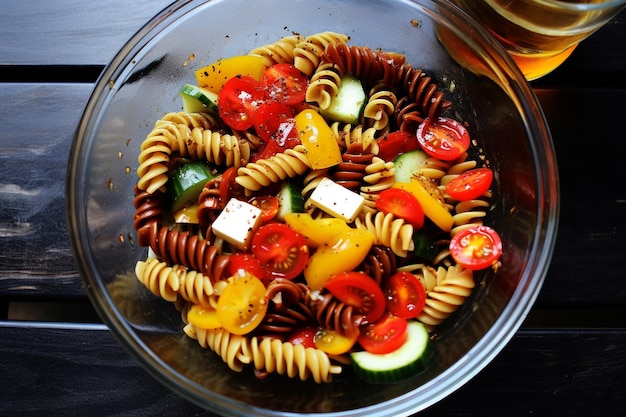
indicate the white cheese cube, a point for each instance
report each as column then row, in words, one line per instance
column 237, row 223
column 336, row 200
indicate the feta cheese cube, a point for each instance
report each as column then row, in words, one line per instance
column 336, row 200
column 237, row 223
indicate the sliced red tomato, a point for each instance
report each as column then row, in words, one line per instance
column 268, row 204
column 238, row 101
column 405, row 295
column 470, row 184
column 358, row 290
column 304, row 336
column 227, row 183
column 385, row 335
column 273, row 121
column 243, row 261
column 242, row 305
column 443, row 138
column 333, row 342
column 395, row 143
column 477, row 247
column 285, row 83
column 282, row 251
column 402, row 204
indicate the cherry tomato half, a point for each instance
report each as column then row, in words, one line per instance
column 476, row 248
column 273, row 121
column 405, row 295
column 282, row 251
column 243, row 261
column 304, row 336
column 470, row 184
column 358, row 290
column 395, row 143
column 402, row 204
column 333, row 342
column 285, row 83
column 268, row 204
column 238, row 101
column 242, row 305
column 227, row 184
column 443, row 138
column 385, row 335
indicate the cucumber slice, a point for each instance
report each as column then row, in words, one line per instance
column 198, row 100
column 408, row 360
column 290, row 199
column 425, row 247
column 185, row 185
column 408, row 163
column 347, row 105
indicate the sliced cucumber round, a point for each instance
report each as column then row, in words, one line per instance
column 198, row 100
column 407, row 164
column 347, row 104
column 408, row 360
column 290, row 200
column 185, row 185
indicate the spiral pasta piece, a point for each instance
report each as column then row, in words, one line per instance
column 368, row 65
column 169, row 134
column 420, row 90
column 159, row 278
column 287, row 308
column 350, row 172
column 381, row 103
column 407, row 115
column 148, row 208
column 379, row 176
column 233, row 349
column 308, row 52
column 348, row 137
column 262, row 173
column 192, row 120
column 332, row 314
column 164, row 280
column 380, row 263
column 155, row 154
column 453, row 286
column 281, row 51
column 469, row 213
column 284, row 358
column 188, row 250
column 216, row 147
column 388, row 231
column 324, row 84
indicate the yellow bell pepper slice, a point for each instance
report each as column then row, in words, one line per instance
column 433, row 209
column 342, row 253
column 214, row 76
column 203, row 317
column 317, row 231
column 317, row 138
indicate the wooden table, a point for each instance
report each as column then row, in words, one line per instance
column 56, row 356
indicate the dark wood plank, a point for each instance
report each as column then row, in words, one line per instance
column 58, row 370
column 35, row 139
column 70, row 32
column 586, row 126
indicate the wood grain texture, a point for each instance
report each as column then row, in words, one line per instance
column 70, row 32
column 34, row 146
column 83, row 371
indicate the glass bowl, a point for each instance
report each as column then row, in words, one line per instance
column 142, row 83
